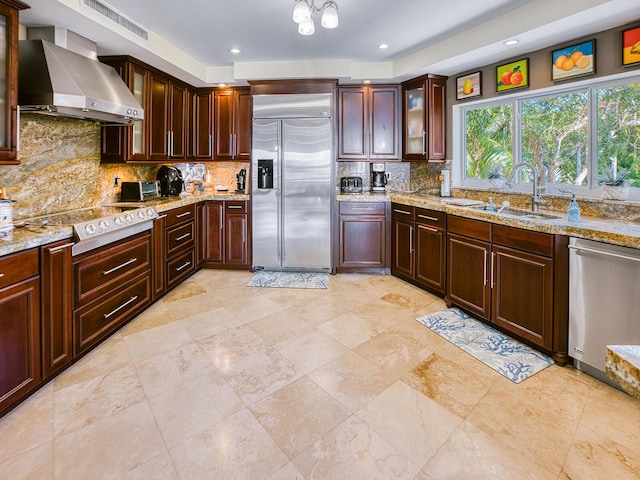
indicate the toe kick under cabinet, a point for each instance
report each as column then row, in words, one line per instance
column 112, row 284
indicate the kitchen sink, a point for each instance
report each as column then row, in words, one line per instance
column 517, row 213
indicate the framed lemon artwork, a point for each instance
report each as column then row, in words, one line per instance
column 573, row 61
column 469, row 85
column 631, row 47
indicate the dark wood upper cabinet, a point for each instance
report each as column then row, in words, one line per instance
column 368, row 123
column 424, row 119
column 9, row 80
column 233, row 115
column 167, row 119
column 202, row 125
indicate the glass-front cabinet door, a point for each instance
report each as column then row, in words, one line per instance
column 9, row 79
column 138, row 85
column 414, row 132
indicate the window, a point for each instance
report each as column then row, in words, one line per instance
column 574, row 135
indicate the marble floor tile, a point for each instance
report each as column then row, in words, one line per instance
column 613, row 414
column 352, row 380
column 156, row 340
column 280, row 326
column 310, row 350
column 299, row 414
column 471, row 453
column 255, row 307
column 514, row 419
column 109, row 447
column 158, row 468
column 237, row 448
column 450, row 384
column 34, row 464
column 192, row 406
column 209, row 323
column 593, row 457
column 288, row 472
column 84, row 403
column 27, row 426
column 168, row 369
column 414, row 424
column 351, row 329
column 355, row 451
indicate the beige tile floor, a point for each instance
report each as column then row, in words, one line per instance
column 223, row 381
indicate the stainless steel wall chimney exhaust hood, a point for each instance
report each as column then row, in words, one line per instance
column 57, row 81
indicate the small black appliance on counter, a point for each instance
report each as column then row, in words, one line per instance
column 139, row 191
column 241, row 180
column 170, row 179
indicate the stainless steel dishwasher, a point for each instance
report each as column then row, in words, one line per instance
column 604, row 302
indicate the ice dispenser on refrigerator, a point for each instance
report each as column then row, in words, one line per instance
column 265, row 174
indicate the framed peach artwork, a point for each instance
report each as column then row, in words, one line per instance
column 631, row 47
column 512, row 75
column 573, row 61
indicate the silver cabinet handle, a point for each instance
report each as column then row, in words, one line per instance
column 182, row 267
column 180, row 215
column 424, row 142
column 61, row 247
column 168, row 144
column 115, row 310
column 431, row 229
column 485, row 268
column 234, row 206
column 427, row 217
column 161, row 216
column 211, row 145
column 493, row 256
column 1, row 275
column 404, row 212
column 182, row 237
column 128, row 262
column 601, row 252
column 362, row 208
column 410, row 239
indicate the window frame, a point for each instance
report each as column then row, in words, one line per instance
column 593, row 190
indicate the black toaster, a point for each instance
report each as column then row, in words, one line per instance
column 138, row 191
column 351, row 185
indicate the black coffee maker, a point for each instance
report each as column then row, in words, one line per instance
column 241, row 178
column 170, row 179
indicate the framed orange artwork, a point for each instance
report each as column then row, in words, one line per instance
column 631, row 47
column 574, row 61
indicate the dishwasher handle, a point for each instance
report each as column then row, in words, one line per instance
column 603, row 252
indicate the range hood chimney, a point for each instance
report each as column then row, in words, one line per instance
column 59, row 74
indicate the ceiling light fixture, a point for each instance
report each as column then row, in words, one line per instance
column 509, row 43
column 235, row 51
column 304, row 11
column 383, row 46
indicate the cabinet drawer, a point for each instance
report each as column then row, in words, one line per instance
column 533, row 242
column 469, row 227
column 403, row 211
column 235, row 206
column 98, row 319
column 362, row 208
column 105, row 269
column 431, row 217
column 18, row 266
column 179, row 238
column 181, row 214
column 180, row 268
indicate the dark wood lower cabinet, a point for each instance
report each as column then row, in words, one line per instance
column 20, row 368
column 57, row 307
column 363, row 244
column 228, row 235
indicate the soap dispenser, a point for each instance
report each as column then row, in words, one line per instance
column 491, row 207
column 573, row 210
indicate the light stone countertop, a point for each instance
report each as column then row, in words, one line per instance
column 623, row 367
column 616, row 232
column 34, row 235
column 609, row 231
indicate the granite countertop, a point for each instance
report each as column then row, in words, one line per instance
column 599, row 229
column 616, row 232
column 35, row 233
column 623, row 367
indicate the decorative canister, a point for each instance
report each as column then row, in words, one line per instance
column 6, row 215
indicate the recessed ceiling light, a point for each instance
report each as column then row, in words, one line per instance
column 366, row 81
column 222, row 84
column 234, row 50
column 509, row 43
column 383, row 46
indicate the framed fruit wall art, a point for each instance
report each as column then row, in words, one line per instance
column 512, row 75
column 468, row 86
column 631, row 47
column 573, row 61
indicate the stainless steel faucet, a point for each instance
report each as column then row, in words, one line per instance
column 536, row 198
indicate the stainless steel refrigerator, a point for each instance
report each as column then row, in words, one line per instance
column 292, row 182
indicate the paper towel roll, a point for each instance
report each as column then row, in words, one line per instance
column 445, row 183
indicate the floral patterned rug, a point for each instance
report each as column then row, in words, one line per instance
column 512, row 359
column 289, row 280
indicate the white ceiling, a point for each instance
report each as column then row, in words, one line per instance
column 190, row 39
